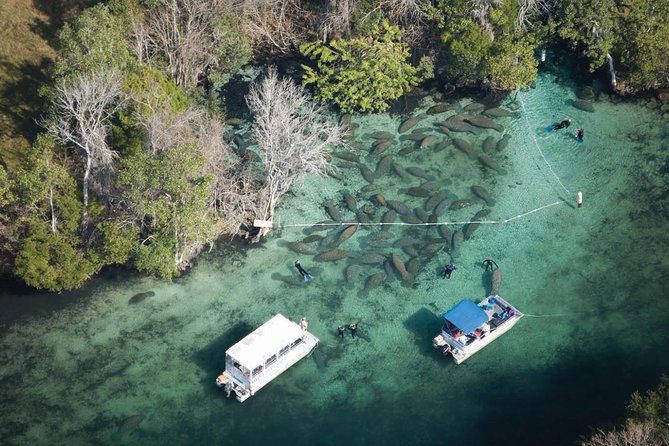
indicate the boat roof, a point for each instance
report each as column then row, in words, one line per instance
column 265, row 341
column 466, row 315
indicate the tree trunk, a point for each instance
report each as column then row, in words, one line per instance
column 87, row 174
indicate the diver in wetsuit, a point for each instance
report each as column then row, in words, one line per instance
column 579, row 135
column 562, row 125
column 305, row 274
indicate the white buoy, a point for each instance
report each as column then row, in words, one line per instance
column 579, row 198
column 543, row 55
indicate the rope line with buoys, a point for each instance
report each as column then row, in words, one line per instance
column 444, row 223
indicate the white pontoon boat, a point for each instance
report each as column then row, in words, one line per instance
column 264, row 354
column 469, row 327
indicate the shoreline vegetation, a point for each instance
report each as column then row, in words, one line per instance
column 133, row 161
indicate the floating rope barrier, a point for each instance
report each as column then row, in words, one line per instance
column 444, row 223
column 536, row 144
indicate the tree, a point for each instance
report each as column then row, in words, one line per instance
column 191, row 39
column 293, row 132
column 362, row 73
column 82, row 111
column 276, row 24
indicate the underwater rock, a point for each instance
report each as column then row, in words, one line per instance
column 409, row 123
column 140, row 297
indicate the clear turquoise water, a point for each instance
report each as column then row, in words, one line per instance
column 87, row 367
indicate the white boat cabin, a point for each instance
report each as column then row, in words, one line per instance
column 264, row 354
column 469, row 327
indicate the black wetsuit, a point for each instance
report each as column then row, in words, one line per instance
column 564, row 124
column 448, row 270
column 302, row 271
column 354, row 329
column 490, row 264
column 340, row 331
column 579, row 135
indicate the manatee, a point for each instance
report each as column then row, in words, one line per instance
column 443, row 206
column 444, row 232
column 438, row 108
column 410, row 250
column 131, row 423
column 312, row 238
column 388, row 268
column 420, row 173
column 320, row 226
column 410, row 219
column 383, row 166
column 456, row 240
column 248, row 155
column 496, row 281
column 490, row 163
column 414, row 136
column 347, row 155
column 470, row 228
column 400, row 170
column 441, row 145
column 362, row 217
column 290, row 280
column 427, row 141
column 240, row 143
column 378, row 199
column 374, row 280
column 382, row 135
column 503, row 143
column 489, row 144
column 389, row 217
column 459, row 204
column 473, row 107
column 380, row 147
column 398, row 206
column 399, row 267
column 405, row 241
column 371, row 259
column 351, row 204
column 332, row 210
column 139, row 297
column 483, row 194
column 456, row 124
column 431, row 249
column 347, row 233
column 406, row 150
column 409, row 123
column 497, row 112
column 465, row 147
column 367, row 174
column 582, row 105
column 235, row 122
column 346, row 165
column 331, row 256
column 421, row 214
column 370, row 188
column 301, row 247
column 382, row 235
column 434, row 200
column 480, row 214
column 484, row 123
column 345, row 119
column 351, row 273
column 417, row 192
column 413, row 267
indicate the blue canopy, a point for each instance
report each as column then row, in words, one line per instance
column 466, row 315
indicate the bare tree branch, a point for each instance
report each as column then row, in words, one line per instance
column 84, row 105
column 279, row 23
column 293, row 132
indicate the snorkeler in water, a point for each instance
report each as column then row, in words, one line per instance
column 579, row 135
column 562, row 125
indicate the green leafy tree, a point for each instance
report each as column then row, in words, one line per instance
column 362, row 73
column 168, row 202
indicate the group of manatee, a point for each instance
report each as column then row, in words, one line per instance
column 362, row 232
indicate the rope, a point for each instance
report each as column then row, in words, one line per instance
column 536, row 144
column 547, row 315
column 444, row 223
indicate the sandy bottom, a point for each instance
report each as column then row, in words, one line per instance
column 95, row 369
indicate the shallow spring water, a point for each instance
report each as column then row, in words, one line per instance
column 95, row 368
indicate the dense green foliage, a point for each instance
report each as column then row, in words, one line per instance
column 652, row 406
column 362, row 73
column 485, row 46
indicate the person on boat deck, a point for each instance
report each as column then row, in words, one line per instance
column 305, row 274
column 354, row 328
column 304, row 324
column 562, row 125
column 489, row 263
column 448, row 270
column 579, row 135
column 340, row 331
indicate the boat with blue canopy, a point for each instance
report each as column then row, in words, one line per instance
column 468, row 327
